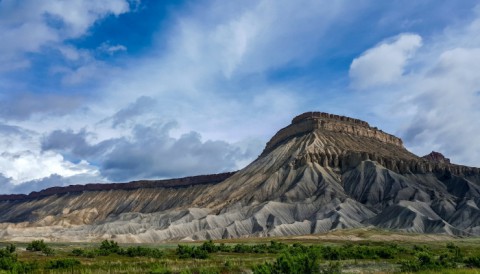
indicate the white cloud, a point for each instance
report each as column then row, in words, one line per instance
column 210, row 73
column 436, row 104
column 111, row 49
column 200, row 75
column 446, row 98
column 385, row 63
column 29, row 25
column 22, row 158
column 256, row 36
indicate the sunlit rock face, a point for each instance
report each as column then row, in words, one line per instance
column 322, row 172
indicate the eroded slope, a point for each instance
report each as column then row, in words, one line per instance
column 320, row 173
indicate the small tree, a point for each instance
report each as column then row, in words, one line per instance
column 108, row 247
column 36, row 245
column 48, row 251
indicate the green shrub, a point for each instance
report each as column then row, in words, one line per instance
column 9, row 262
column 37, row 245
column 276, row 247
column 224, row 248
column 426, row 261
column 242, row 248
column 63, row 263
column 209, row 247
column 48, row 251
column 291, row 263
column 472, row 262
column 140, row 251
column 78, row 252
column 11, row 248
column 185, row 252
column 90, row 254
column 108, row 247
column 456, row 252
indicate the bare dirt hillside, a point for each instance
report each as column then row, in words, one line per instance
column 322, row 172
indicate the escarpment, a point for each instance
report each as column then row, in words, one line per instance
column 313, row 121
column 168, row 183
column 319, row 173
column 348, row 141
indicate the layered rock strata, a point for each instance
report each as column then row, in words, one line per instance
column 320, row 173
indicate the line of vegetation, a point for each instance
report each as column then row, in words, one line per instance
column 107, row 248
column 279, row 258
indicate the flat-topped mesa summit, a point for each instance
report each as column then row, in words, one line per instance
column 313, row 121
column 343, row 142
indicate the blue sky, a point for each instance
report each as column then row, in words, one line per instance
column 117, row 90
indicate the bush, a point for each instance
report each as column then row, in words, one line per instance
column 90, row 254
column 78, row 252
column 63, row 263
column 224, row 248
column 276, row 247
column 9, row 262
column 291, row 263
column 40, row 245
column 140, row 251
column 11, row 248
column 242, row 248
column 456, row 252
column 426, row 261
column 472, row 262
column 185, row 252
column 108, row 247
column 209, row 247
column 48, row 251
column 37, row 245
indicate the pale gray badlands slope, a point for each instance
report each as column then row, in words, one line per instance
column 320, row 173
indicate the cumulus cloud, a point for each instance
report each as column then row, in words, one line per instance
column 446, row 102
column 385, row 63
column 436, row 105
column 21, row 158
column 150, row 153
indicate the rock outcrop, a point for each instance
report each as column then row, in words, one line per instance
column 436, row 157
column 320, row 173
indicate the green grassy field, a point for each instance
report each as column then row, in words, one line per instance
column 346, row 251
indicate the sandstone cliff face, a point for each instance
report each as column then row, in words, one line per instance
column 320, row 173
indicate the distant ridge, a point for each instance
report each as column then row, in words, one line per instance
column 170, row 183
